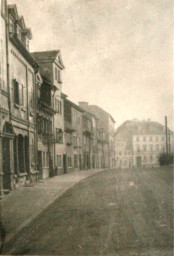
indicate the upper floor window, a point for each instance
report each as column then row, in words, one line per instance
column 156, row 138
column 162, row 138
column 19, row 32
column 150, row 138
column 57, row 75
column 11, row 25
column 59, row 135
column 18, row 92
column 137, row 138
column 58, row 106
column 144, row 138
column 144, row 147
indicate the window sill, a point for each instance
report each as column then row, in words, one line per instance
column 16, row 106
column 24, row 109
column 31, row 114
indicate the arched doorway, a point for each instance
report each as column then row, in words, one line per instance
column 8, row 135
column 6, row 163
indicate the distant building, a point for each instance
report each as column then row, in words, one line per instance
column 106, row 122
column 73, row 136
column 140, row 143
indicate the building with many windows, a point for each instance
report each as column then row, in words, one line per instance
column 107, row 124
column 140, row 143
column 50, row 67
column 18, row 91
column 73, row 136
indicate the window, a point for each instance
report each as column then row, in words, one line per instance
column 144, row 147
column 55, row 73
column 19, row 32
column 157, row 147
column 69, row 161
column 144, row 138
column 44, row 159
column 151, row 147
column 162, row 138
column 59, row 161
column 58, row 76
column 75, row 141
column 18, row 93
column 156, row 138
column 69, row 138
column 151, row 158
column 137, row 138
column 145, row 158
column 59, row 135
column 11, row 25
column 150, row 138
column 75, row 161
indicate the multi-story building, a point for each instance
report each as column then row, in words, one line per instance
column 44, row 125
column 18, row 101
column 123, row 150
column 51, row 66
column 140, row 143
column 107, row 123
column 102, row 147
column 73, row 136
column 87, row 146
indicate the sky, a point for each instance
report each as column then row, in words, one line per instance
column 117, row 53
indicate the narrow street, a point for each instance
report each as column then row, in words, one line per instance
column 112, row 213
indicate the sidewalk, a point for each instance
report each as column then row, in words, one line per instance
column 21, row 206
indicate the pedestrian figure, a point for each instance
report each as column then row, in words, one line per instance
column 2, row 236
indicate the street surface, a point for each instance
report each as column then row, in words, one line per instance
column 122, row 213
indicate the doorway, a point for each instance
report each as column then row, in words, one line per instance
column 6, row 163
column 138, row 160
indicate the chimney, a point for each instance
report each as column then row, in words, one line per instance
column 83, row 104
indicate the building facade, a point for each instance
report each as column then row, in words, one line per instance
column 73, row 136
column 50, row 67
column 140, row 144
column 18, row 90
column 107, row 123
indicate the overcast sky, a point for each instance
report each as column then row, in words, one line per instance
column 117, row 53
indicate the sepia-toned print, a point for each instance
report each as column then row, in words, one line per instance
column 86, row 127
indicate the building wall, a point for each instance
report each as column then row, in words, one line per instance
column 148, row 148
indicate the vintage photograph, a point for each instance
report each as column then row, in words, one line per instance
column 86, row 127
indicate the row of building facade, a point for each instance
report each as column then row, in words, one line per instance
column 42, row 132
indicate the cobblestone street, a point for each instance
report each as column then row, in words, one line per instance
column 112, row 213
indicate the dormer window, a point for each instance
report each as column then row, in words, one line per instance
column 18, row 32
column 11, row 25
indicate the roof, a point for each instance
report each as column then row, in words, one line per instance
column 136, row 127
column 74, row 105
column 103, row 111
column 45, row 55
